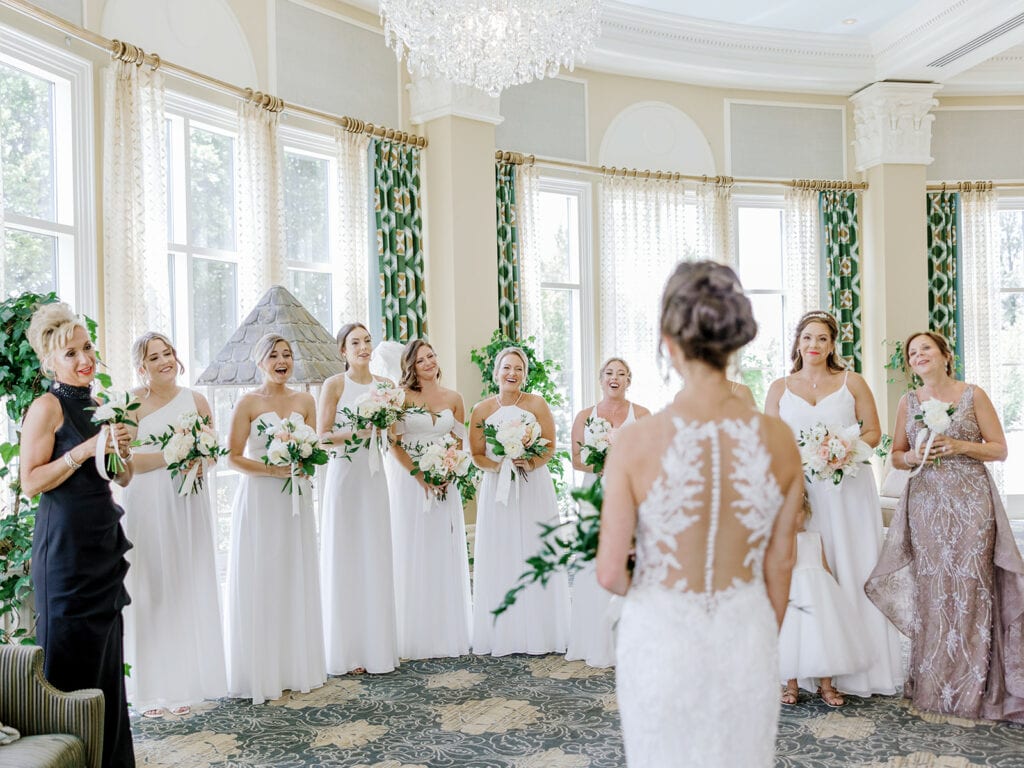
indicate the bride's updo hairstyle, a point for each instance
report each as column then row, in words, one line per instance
column 705, row 312
column 50, row 330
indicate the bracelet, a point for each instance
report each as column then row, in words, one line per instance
column 70, row 461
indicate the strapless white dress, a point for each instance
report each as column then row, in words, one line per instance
column 431, row 562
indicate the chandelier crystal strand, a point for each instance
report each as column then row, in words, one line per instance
column 490, row 44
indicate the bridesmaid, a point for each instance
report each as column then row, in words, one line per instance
column 507, row 530
column 431, row 565
column 820, row 390
column 590, row 630
column 173, row 629
column 78, row 544
column 274, row 630
column 355, row 537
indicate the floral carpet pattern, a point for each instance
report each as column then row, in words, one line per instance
column 529, row 712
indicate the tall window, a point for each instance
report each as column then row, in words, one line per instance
column 564, row 239
column 47, row 172
column 310, row 194
column 1011, row 345
column 759, row 240
column 203, row 262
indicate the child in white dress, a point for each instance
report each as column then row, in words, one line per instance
column 818, row 638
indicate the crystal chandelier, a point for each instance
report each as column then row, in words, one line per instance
column 490, row 44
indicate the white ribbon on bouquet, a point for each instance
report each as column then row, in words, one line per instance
column 507, row 476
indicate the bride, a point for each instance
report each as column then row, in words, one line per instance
column 715, row 520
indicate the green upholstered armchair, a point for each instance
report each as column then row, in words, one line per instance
column 58, row 729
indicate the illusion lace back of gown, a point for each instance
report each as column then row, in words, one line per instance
column 698, row 647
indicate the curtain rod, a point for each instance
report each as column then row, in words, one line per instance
column 518, row 158
column 973, row 186
column 129, row 52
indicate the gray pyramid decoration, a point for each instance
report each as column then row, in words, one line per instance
column 315, row 350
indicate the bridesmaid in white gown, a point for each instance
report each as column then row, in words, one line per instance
column 508, row 526
column 431, row 562
column 172, row 629
column 712, row 493
column 590, row 628
column 848, row 516
column 355, row 532
column 275, row 636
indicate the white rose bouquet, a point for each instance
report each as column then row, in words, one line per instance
column 518, row 438
column 186, row 446
column 937, row 417
column 115, row 407
column 832, row 453
column 294, row 444
column 598, row 434
column 375, row 411
column 441, row 463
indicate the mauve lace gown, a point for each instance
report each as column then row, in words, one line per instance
column 951, row 578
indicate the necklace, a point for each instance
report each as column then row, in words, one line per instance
column 497, row 398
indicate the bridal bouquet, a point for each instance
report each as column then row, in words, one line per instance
column 440, row 463
column 936, row 416
column 293, row 444
column 115, row 408
column 376, row 411
column 518, row 438
column 186, row 446
column 832, row 453
column 597, row 439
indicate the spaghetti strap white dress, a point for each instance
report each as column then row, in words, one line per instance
column 848, row 517
column 274, row 632
column 172, row 629
column 431, row 561
column 591, row 635
column 508, row 532
column 360, row 627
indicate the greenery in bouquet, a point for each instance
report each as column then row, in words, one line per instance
column 564, row 547
column 116, row 407
column 441, row 463
column 375, row 411
column 518, row 438
column 597, row 439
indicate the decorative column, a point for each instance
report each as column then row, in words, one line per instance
column 461, row 267
column 893, row 135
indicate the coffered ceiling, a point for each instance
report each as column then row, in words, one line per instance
column 822, row 46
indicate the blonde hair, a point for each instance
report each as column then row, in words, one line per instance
column 261, row 349
column 609, row 361
column 141, row 345
column 50, row 330
column 505, row 352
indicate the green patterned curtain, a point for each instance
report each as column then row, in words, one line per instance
column 509, row 310
column 944, row 313
column 396, row 181
column 842, row 262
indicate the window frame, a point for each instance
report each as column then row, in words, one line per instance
column 75, row 177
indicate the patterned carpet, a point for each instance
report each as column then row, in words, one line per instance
column 529, row 712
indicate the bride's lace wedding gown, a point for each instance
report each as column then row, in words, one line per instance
column 697, row 656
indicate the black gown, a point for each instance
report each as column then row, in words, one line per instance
column 78, row 570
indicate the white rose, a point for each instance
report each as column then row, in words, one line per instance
column 464, row 463
column 936, row 415
column 104, row 412
column 188, row 420
column 515, row 450
column 207, row 443
column 178, row 447
column 305, row 450
column 277, row 453
column 429, row 462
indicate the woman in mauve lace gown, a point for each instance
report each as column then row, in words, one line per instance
column 950, row 575
column 712, row 492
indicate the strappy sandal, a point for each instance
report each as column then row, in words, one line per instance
column 790, row 695
column 831, row 696
column 153, row 714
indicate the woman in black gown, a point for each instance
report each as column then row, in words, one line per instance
column 78, row 547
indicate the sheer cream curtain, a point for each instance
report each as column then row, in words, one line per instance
column 644, row 234
column 135, row 267
column 260, row 203
column 528, row 203
column 980, row 244
column 802, row 257
column 353, row 231
column 714, row 224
